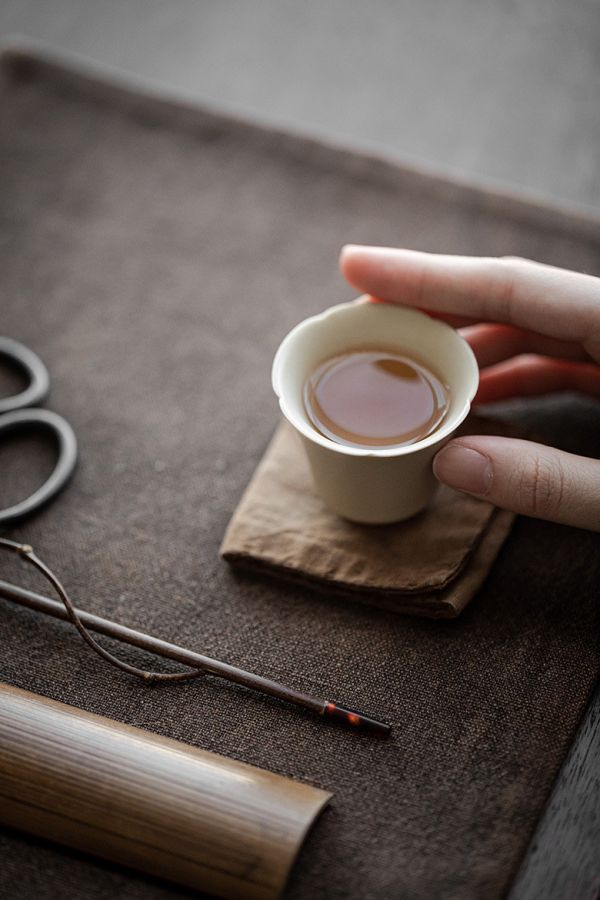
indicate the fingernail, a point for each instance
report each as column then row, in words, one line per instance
column 464, row 469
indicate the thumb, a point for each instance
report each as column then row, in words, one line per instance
column 524, row 477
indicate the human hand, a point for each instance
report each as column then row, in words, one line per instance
column 534, row 329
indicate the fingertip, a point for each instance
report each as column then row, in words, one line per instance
column 464, row 468
column 371, row 252
column 352, row 264
column 351, row 252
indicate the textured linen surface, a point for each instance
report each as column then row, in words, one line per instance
column 154, row 256
column 431, row 565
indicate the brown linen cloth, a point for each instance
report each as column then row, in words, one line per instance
column 431, row 565
column 154, row 256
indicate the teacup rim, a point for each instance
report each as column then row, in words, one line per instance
column 311, row 434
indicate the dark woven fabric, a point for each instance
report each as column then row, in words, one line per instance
column 154, row 256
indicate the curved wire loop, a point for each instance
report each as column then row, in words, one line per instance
column 25, row 551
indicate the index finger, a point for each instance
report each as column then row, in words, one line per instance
column 538, row 297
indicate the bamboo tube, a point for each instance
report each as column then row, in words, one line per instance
column 149, row 802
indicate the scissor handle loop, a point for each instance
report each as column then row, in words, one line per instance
column 34, row 370
column 59, row 428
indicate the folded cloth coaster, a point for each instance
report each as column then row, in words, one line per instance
column 431, row 565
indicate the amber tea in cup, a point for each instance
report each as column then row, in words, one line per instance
column 375, row 397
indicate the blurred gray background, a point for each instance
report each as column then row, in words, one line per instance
column 501, row 92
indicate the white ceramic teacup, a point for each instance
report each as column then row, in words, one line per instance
column 380, row 484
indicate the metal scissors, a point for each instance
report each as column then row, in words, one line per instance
column 17, row 414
